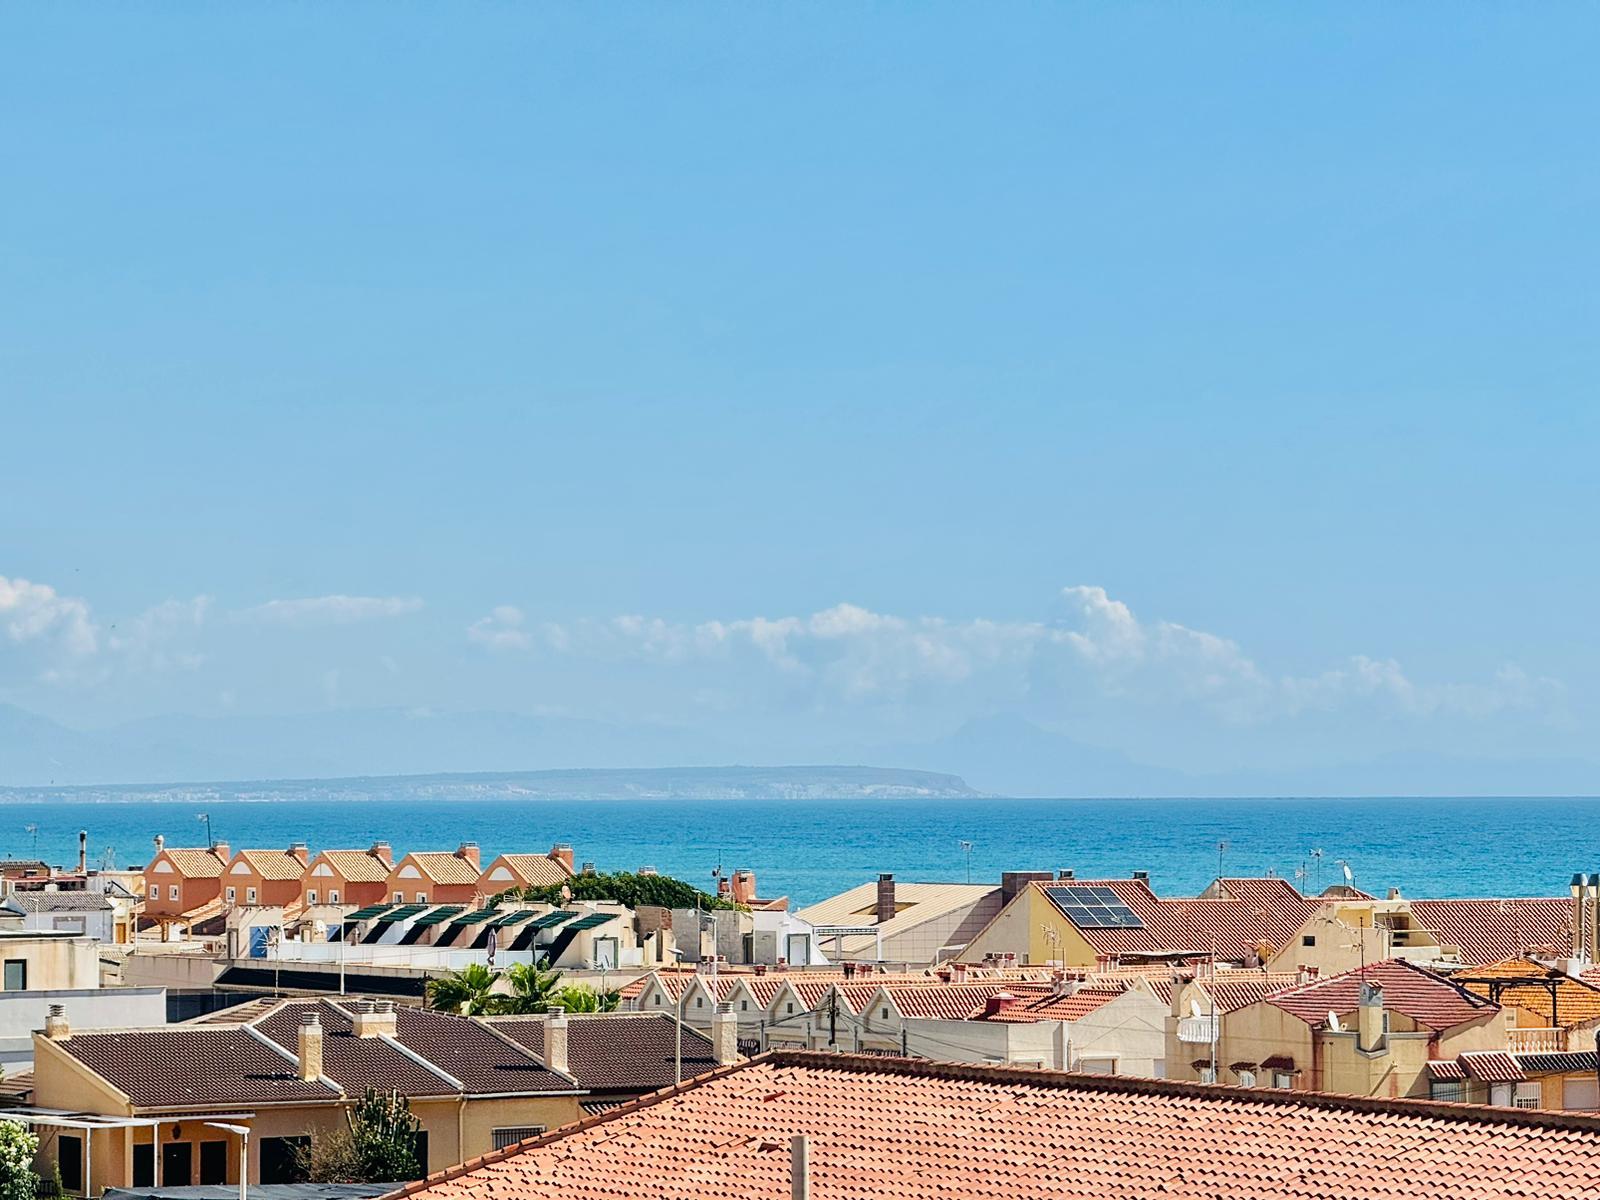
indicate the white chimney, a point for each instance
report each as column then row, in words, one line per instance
column 56, row 1027
column 374, row 1018
column 310, row 1064
column 725, row 1035
column 555, row 1040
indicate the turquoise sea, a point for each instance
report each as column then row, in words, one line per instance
column 811, row 849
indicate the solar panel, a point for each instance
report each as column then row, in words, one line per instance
column 366, row 914
column 592, row 921
column 439, row 915
column 1093, row 907
column 553, row 918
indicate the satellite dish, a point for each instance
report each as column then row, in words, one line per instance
column 1333, row 1022
column 1349, row 876
column 1194, row 1007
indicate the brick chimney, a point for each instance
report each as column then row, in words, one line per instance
column 1369, row 1018
column 744, row 887
column 301, row 851
column 310, row 1064
column 561, row 853
column 383, row 852
column 555, row 1040
column 998, row 1003
column 725, row 1035
column 374, row 1018
column 56, row 1027
column 222, row 850
column 885, row 897
column 469, row 851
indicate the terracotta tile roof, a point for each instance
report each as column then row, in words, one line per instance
column 1446, row 1068
column 1059, row 1008
column 356, row 866
column 1426, row 998
column 1235, row 989
column 442, row 866
column 539, row 870
column 272, row 864
column 618, row 1052
column 1490, row 930
column 895, row 1129
column 1491, row 1066
column 1253, row 911
column 195, row 863
column 194, row 1065
column 1576, row 1002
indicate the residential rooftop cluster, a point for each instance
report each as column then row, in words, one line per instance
column 218, row 1014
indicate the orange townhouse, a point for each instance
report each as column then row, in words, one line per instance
column 348, row 876
column 436, row 876
column 265, row 877
column 522, row 871
column 181, row 879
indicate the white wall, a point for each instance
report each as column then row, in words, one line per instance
column 89, row 1008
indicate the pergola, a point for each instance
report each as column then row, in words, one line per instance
column 88, row 1122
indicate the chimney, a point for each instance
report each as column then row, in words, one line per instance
column 469, row 851
column 161, row 842
column 301, row 851
column 725, row 1035
column 885, row 898
column 588, row 869
column 221, row 850
column 555, row 1040
column 562, row 853
column 383, row 852
column 997, row 1004
column 374, row 1018
column 744, row 887
column 1369, row 1018
column 310, row 1064
column 83, row 852
column 800, row 1167
column 56, row 1027
column 1394, row 894
column 1142, row 877
column 1013, row 883
column 1066, row 874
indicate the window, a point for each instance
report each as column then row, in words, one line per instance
column 513, row 1134
column 214, row 1162
column 1208, row 1075
column 69, row 1153
column 1310, row 939
column 233, row 894
column 16, row 978
column 1580, row 1095
column 177, row 1164
column 658, row 1001
column 1247, row 1079
column 422, row 897
column 1447, row 1090
column 885, row 1014
column 280, row 1159
column 399, row 897
column 789, row 1008
column 154, row 892
column 1527, row 1095
column 744, row 1006
column 333, row 895
column 144, row 1165
column 1283, row 1079
column 311, row 896
column 249, row 895
column 699, row 1002
column 172, row 892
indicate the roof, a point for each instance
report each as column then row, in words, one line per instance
column 897, row 1129
column 273, row 865
column 1576, row 1002
column 540, row 870
column 1426, row 998
column 261, row 1191
column 916, row 903
column 1491, row 1066
column 618, row 1052
column 38, row 902
column 356, row 866
column 946, row 1001
column 1059, row 1008
column 1245, row 913
column 442, row 866
column 1235, row 989
column 1489, row 930
column 185, row 1065
column 194, row 863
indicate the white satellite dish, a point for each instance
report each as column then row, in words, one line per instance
column 1349, row 876
column 1333, row 1022
column 1194, row 1007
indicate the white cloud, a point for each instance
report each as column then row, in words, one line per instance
column 36, row 614
column 330, row 610
column 500, row 630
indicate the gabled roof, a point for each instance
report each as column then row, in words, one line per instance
column 539, row 870
column 1490, row 930
column 618, row 1052
column 48, row 902
column 1060, row 1008
column 916, row 904
column 1247, row 913
column 442, row 866
column 273, row 865
column 1233, row 990
column 1426, row 998
column 896, row 1129
column 1576, row 1002
column 194, row 862
column 356, row 866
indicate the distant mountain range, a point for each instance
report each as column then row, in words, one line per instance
column 1001, row 755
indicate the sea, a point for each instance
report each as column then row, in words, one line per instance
column 811, row 849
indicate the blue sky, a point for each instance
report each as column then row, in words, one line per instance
column 1276, row 326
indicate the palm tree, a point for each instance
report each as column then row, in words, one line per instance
column 534, row 987
column 581, row 998
column 469, row 991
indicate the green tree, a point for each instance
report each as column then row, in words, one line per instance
column 582, row 998
column 532, row 987
column 469, row 991
column 626, row 887
column 378, row 1144
column 18, row 1180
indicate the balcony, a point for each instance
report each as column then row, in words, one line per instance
column 1538, row 1041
